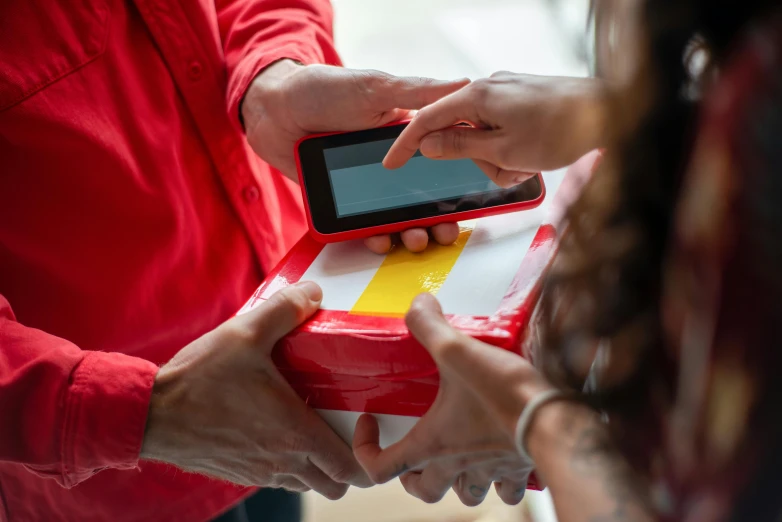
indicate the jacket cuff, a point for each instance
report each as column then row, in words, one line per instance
column 105, row 414
column 258, row 60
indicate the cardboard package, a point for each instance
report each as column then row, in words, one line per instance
column 356, row 355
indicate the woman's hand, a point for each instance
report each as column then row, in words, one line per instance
column 521, row 124
column 466, row 439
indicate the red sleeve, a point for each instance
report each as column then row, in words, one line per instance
column 256, row 33
column 68, row 413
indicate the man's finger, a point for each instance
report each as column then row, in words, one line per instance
column 453, row 109
column 378, row 244
column 335, row 458
column 380, row 464
column 289, row 483
column 446, row 233
column 415, row 239
column 395, row 115
column 285, row 310
column 287, row 167
column 502, row 74
column 318, row 481
column 416, row 93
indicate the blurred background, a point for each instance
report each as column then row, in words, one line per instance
column 449, row 39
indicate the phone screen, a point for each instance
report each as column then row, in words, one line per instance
column 347, row 188
column 361, row 184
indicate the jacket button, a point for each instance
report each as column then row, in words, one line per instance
column 195, row 70
column 251, row 194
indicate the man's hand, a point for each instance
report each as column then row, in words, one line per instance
column 521, row 124
column 466, row 439
column 288, row 101
column 221, row 408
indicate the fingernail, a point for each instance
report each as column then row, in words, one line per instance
column 312, row 290
column 424, row 300
column 432, row 145
column 462, row 80
column 420, row 299
column 478, row 492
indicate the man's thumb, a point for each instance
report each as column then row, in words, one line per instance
column 460, row 142
column 286, row 310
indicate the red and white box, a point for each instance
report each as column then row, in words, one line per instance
column 356, row 355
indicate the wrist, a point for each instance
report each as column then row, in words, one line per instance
column 279, row 69
column 554, row 428
column 592, row 110
column 158, row 432
column 266, row 87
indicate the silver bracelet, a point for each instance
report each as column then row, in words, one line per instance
column 526, row 417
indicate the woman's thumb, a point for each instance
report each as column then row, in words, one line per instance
column 460, row 142
column 449, row 347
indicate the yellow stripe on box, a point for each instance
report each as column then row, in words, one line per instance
column 403, row 275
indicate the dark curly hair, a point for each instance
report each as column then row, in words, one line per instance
column 606, row 285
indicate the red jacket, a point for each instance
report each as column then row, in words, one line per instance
column 133, row 218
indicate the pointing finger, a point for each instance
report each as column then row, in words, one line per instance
column 502, row 177
column 461, row 142
column 452, row 109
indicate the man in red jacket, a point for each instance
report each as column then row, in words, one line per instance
column 135, row 218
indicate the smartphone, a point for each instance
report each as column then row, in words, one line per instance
column 348, row 194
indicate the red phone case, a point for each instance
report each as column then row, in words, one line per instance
column 391, row 228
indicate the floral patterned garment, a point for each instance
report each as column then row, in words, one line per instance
column 722, row 306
